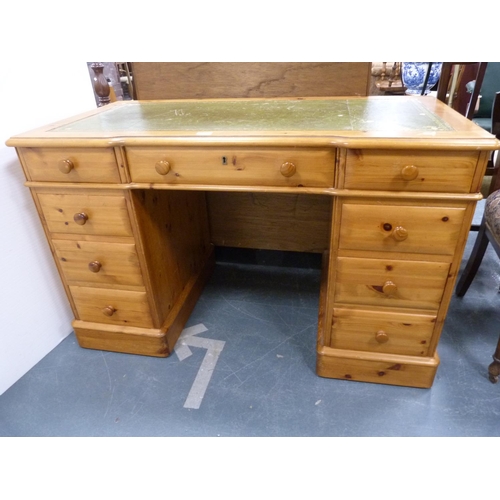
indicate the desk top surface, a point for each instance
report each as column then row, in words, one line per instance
column 335, row 120
column 267, row 115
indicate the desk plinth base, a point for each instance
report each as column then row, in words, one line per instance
column 388, row 369
column 128, row 340
column 146, row 341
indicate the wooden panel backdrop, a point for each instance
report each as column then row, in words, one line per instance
column 161, row 80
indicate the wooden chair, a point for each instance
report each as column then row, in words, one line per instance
column 494, row 368
column 452, row 81
column 489, row 232
column 451, row 90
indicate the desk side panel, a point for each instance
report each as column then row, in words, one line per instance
column 174, row 234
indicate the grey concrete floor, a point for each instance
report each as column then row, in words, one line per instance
column 264, row 318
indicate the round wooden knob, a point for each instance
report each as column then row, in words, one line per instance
column 108, row 311
column 381, row 337
column 389, row 288
column 288, row 169
column 80, row 218
column 95, row 266
column 409, row 173
column 65, row 166
column 400, row 233
column 162, row 167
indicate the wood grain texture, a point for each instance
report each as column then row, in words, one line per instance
column 107, row 214
column 393, row 369
column 125, row 339
column 89, row 164
column 147, row 341
column 174, row 238
column 131, row 307
column 119, row 264
column 331, row 271
column 425, row 230
column 419, row 284
column 157, row 80
column 270, row 221
column 381, row 170
column 357, row 329
column 452, row 276
column 230, row 166
column 186, row 301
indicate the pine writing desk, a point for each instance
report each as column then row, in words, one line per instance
column 134, row 196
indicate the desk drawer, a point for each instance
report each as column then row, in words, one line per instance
column 71, row 164
column 399, row 228
column 375, row 331
column 98, row 262
column 410, row 170
column 115, row 307
column 228, row 166
column 85, row 214
column 390, row 283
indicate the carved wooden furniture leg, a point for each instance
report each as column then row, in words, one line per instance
column 494, row 368
column 101, row 85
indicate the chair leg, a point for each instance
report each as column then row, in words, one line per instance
column 474, row 261
column 494, row 368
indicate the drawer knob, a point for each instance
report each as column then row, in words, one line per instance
column 400, row 233
column 389, row 288
column 108, row 311
column 409, row 173
column 288, row 169
column 80, row 218
column 162, row 167
column 95, row 266
column 65, row 166
column 381, row 337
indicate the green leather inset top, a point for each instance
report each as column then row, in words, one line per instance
column 262, row 115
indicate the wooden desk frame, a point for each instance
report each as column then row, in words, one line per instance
column 392, row 230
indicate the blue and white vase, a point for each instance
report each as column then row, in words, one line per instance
column 413, row 76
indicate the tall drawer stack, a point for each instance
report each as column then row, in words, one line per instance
column 391, row 262
column 91, row 236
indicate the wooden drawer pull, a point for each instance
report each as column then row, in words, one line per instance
column 65, row 166
column 288, row 169
column 162, row 167
column 95, row 266
column 381, row 337
column 400, row 233
column 409, row 173
column 108, row 311
column 389, row 288
column 81, row 218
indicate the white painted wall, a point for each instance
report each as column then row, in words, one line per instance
column 34, row 312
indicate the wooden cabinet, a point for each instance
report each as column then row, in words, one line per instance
column 134, row 196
